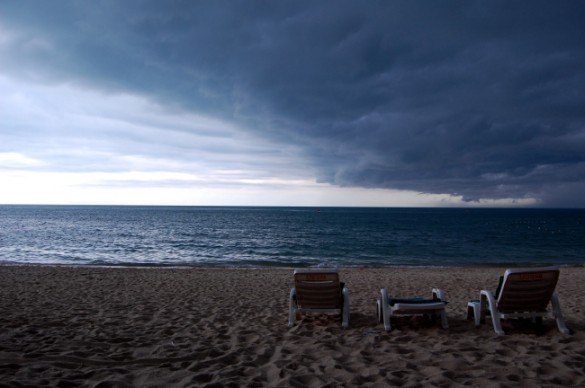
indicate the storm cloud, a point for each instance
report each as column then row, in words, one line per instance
column 483, row 100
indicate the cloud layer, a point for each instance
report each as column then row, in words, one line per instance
column 483, row 100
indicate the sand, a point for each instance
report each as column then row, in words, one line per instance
column 146, row 327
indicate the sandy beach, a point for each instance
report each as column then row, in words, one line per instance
column 152, row 327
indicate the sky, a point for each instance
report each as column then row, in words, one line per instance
column 281, row 103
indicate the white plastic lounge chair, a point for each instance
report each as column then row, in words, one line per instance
column 318, row 291
column 387, row 307
column 522, row 293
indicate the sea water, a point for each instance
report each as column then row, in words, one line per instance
column 289, row 236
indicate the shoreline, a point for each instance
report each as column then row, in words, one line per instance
column 268, row 267
column 139, row 326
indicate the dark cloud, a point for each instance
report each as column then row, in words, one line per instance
column 480, row 99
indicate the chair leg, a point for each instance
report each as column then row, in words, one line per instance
column 474, row 312
column 495, row 315
column 379, row 313
column 387, row 320
column 470, row 312
column 558, row 314
column 385, row 309
column 292, row 307
column 444, row 321
column 345, row 317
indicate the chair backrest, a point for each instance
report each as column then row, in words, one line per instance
column 318, row 289
column 527, row 289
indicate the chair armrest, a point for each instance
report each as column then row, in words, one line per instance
column 488, row 295
column 439, row 294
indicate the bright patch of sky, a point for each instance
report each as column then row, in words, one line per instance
column 78, row 146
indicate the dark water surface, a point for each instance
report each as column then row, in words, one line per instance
column 245, row 236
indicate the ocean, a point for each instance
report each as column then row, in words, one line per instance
column 290, row 236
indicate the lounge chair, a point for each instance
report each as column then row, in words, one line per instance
column 318, row 291
column 387, row 307
column 522, row 293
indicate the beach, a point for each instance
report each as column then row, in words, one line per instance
column 181, row 327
